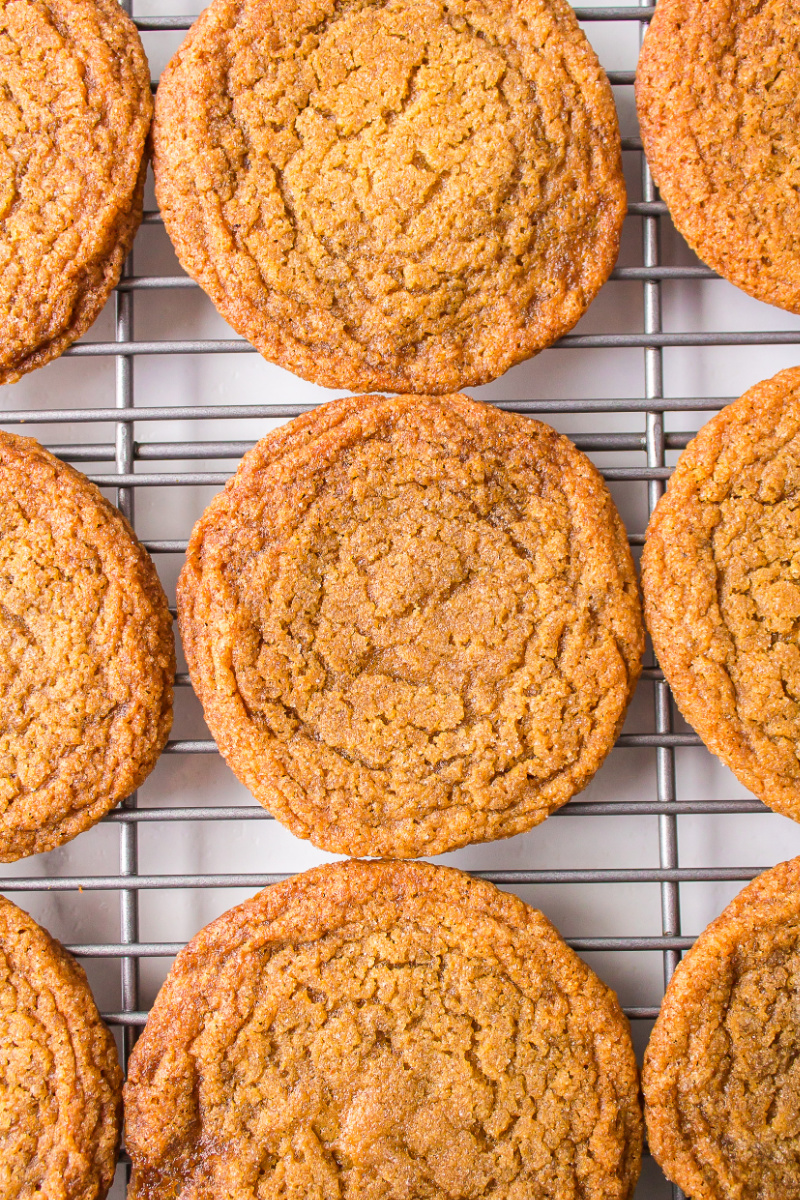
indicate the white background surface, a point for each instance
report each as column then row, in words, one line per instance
column 755, row 841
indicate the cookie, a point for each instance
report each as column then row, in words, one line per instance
column 721, row 578
column 60, row 1081
column 717, row 93
column 75, row 109
column 87, row 655
column 375, row 1029
column 411, row 196
column 722, row 1098
column 412, row 623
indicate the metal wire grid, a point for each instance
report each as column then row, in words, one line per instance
column 124, row 454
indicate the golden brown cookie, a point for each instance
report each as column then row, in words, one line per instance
column 411, row 196
column 721, row 1078
column 60, row 1082
column 412, row 623
column 718, row 94
column 721, row 577
column 75, row 109
column 383, row 1031
column 87, row 656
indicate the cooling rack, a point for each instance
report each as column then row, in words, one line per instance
column 663, row 836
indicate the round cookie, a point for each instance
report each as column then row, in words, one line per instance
column 383, row 1030
column 87, row 655
column 411, row 196
column 413, row 623
column 75, row 109
column 722, row 1098
column 721, row 578
column 60, row 1081
column 718, row 95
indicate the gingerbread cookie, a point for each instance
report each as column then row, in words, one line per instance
column 75, row 109
column 87, row 656
column 717, row 91
column 60, row 1081
column 411, row 196
column 412, row 623
column 721, row 577
column 383, row 1030
column 722, row 1095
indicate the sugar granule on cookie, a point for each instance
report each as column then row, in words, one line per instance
column 411, row 196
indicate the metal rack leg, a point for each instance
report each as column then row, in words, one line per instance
column 128, row 843
column 128, row 836
column 665, row 756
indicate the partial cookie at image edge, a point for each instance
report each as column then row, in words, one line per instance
column 57, row 268
column 733, row 688
column 716, row 84
column 88, row 655
column 710, row 1072
column 60, row 1079
column 410, row 310
column 288, row 946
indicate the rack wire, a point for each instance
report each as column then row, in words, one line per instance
column 127, row 465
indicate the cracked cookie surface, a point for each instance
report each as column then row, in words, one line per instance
column 721, row 577
column 87, row 655
column 412, row 195
column 75, row 109
column 412, row 623
column 718, row 95
column 383, row 1031
column 60, row 1081
column 721, row 1073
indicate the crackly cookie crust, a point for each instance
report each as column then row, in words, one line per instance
column 60, row 1081
column 721, row 578
column 75, row 112
column 381, row 1030
column 413, row 623
column 412, row 196
column 87, row 654
column 717, row 90
column 722, row 1096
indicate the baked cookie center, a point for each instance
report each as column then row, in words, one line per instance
column 397, row 1065
column 406, row 120
column 383, row 1031
column 443, row 637
column 393, row 175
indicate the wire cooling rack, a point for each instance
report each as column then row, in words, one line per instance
column 126, row 896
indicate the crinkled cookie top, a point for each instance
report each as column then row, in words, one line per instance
column 718, row 94
column 383, row 1031
column 60, row 1082
column 412, row 195
column 412, row 623
column 721, row 1078
column 75, row 109
column 87, row 655
column 721, row 576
